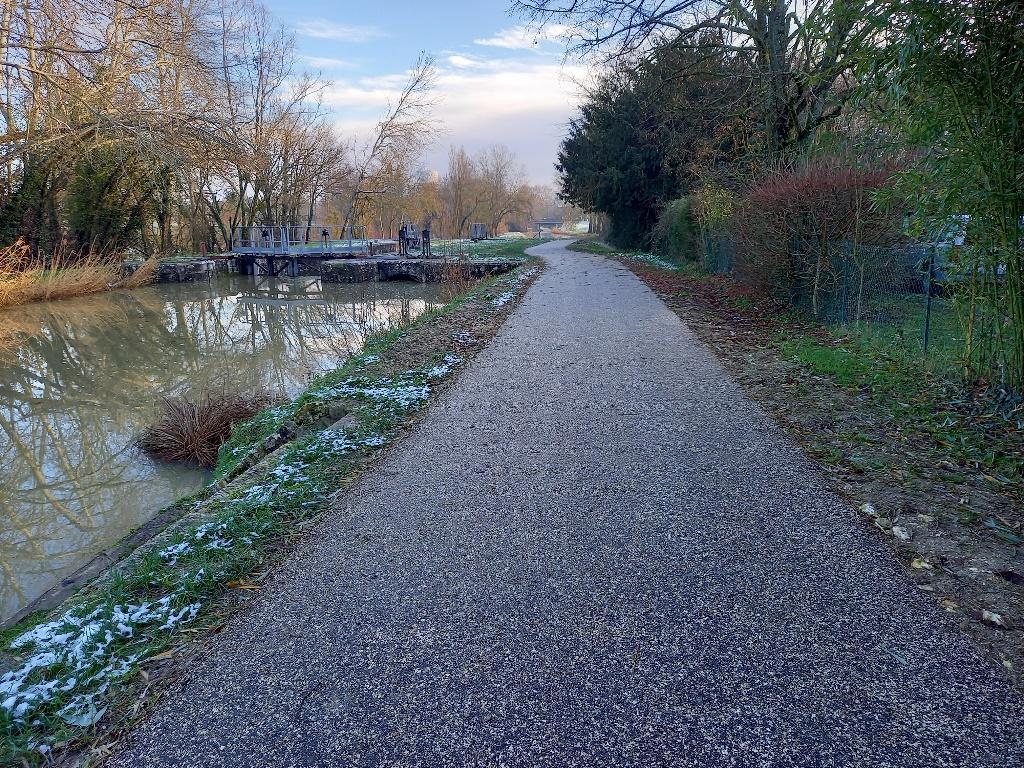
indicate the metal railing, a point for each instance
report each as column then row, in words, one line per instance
column 297, row 241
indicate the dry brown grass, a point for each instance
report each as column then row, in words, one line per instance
column 456, row 278
column 193, row 430
column 25, row 279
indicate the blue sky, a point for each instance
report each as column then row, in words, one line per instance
column 499, row 82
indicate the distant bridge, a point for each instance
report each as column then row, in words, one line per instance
column 547, row 224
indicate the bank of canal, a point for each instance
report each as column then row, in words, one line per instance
column 80, row 378
column 74, row 673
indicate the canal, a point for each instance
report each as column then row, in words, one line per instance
column 80, row 378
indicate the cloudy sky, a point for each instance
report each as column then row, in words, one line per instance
column 499, row 82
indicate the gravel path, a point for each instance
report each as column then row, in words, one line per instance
column 594, row 550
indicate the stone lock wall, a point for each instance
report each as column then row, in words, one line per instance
column 420, row 270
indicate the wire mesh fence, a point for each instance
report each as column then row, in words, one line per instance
column 719, row 253
column 901, row 294
column 896, row 295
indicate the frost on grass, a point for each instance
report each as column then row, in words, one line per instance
column 404, row 392
column 515, row 282
column 69, row 664
column 76, row 657
column 652, row 259
column 173, row 552
column 504, row 299
column 443, row 368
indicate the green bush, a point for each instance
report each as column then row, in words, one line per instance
column 677, row 234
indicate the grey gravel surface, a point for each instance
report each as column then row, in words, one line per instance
column 593, row 550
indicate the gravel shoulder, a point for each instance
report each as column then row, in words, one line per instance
column 594, row 549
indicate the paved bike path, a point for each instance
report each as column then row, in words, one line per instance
column 593, row 550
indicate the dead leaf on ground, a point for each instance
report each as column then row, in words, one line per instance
column 240, row 584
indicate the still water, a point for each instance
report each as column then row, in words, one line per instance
column 80, row 378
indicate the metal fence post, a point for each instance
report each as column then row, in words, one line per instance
column 844, row 292
column 928, row 299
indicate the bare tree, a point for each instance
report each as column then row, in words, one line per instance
column 461, row 191
column 168, row 123
column 488, row 188
column 406, row 129
column 801, row 52
column 504, row 185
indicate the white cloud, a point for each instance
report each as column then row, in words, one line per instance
column 462, row 61
column 346, row 33
column 522, row 37
column 523, row 104
column 326, row 62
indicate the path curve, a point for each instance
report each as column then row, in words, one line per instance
column 593, row 550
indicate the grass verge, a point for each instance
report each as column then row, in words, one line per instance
column 76, row 676
column 501, row 248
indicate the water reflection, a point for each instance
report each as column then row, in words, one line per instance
column 79, row 379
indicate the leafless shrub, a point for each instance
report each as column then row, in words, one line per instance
column 193, row 430
column 456, row 278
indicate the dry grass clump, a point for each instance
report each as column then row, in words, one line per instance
column 25, row 278
column 456, row 278
column 193, row 430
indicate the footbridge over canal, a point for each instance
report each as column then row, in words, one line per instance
column 336, row 256
column 283, row 250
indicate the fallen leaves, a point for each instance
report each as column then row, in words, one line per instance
column 241, row 584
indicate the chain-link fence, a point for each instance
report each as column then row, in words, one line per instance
column 896, row 294
column 901, row 294
column 719, row 253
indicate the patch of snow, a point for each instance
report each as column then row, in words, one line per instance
column 402, row 395
column 652, row 259
column 503, row 299
column 173, row 552
column 82, row 653
column 445, row 367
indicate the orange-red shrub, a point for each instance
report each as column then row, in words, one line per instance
column 803, row 235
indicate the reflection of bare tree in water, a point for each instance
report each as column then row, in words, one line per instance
column 84, row 378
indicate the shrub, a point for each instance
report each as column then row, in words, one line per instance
column 713, row 207
column 193, row 430
column 677, row 235
column 25, row 278
column 813, row 237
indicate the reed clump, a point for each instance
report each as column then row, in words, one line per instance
column 25, row 278
column 192, row 430
column 456, row 278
